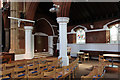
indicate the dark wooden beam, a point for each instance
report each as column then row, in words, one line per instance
column 89, row 10
column 0, row 30
column 82, row 12
column 118, row 6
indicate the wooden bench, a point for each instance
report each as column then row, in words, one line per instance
column 6, row 70
column 37, row 68
column 97, row 72
column 62, row 72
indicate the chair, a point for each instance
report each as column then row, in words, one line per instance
column 68, row 52
column 101, row 60
column 85, row 56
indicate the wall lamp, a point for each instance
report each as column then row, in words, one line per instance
column 55, row 8
column 73, row 31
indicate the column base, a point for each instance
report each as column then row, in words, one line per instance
column 11, row 51
column 28, row 56
column 65, row 60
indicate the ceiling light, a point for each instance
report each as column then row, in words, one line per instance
column 55, row 8
column 91, row 26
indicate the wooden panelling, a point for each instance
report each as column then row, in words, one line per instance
column 97, row 53
column 107, row 36
column 97, row 37
column 41, row 42
column 21, row 39
column 71, row 38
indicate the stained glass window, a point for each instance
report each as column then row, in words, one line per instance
column 80, row 36
column 114, row 33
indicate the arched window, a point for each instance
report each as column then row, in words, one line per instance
column 80, row 36
column 114, row 33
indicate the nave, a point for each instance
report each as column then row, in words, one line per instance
column 59, row 40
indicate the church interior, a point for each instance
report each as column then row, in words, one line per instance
column 59, row 40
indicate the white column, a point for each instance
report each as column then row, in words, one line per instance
column 63, row 39
column 119, row 37
column 50, row 44
column 32, row 45
column 28, row 42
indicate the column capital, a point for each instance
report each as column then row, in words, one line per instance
column 28, row 27
column 62, row 19
column 6, row 29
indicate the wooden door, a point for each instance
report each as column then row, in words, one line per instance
column 41, row 43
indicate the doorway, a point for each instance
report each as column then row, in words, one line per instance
column 41, row 43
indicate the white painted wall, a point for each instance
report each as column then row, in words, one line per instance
column 96, row 47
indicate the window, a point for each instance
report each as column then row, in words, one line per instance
column 80, row 36
column 114, row 33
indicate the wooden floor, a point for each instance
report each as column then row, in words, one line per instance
column 85, row 68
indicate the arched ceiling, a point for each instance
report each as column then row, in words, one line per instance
column 85, row 12
column 42, row 11
column 80, row 12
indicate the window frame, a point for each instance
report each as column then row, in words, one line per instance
column 77, row 36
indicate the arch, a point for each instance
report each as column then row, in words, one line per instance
column 106, row 25
column 113, row 29
column 53, row 33
column 64, row 8
column 31, row 9
column 79, row 26
column 40, row 34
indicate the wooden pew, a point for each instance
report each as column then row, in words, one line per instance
column 37, row 68
column 97, row 72
column 6, row 71
column 20, row 70
column 43, row 67
column 59, row 73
